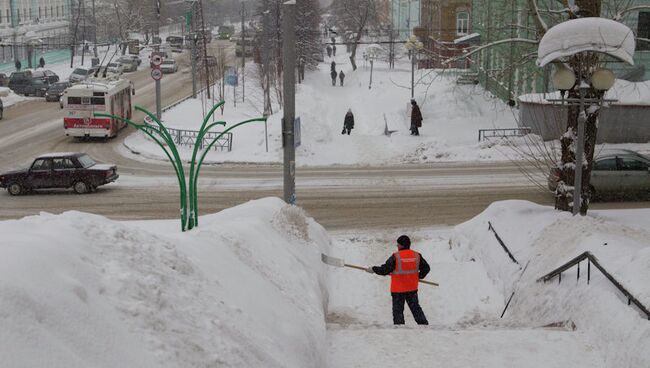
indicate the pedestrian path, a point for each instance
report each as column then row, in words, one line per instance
column 465, row 329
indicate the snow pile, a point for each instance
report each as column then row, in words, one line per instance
column 246, row 288
column 548, row 239
column 452, row 116
column 9, row 97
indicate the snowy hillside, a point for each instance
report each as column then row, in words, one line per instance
column 548, row 239
column 246, row 289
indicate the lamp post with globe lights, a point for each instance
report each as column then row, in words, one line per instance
column 414, row 46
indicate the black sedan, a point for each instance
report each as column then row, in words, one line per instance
column 55, row 91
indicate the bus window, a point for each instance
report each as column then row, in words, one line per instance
column 85, row 100
column 74, row 100
column 97, row 100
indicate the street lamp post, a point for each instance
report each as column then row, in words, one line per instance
column 414, row 46
column 564, row 80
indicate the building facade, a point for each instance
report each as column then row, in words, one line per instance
column 405, row 16
column 509, row 70
column 32, row 28
column 442, row 22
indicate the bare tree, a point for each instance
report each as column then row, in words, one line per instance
column 354, row 16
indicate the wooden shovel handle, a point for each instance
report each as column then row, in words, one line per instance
column 364, row 268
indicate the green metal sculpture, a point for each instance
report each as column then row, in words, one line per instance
column 189, row 207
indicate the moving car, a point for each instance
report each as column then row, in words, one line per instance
column 128, row 64
column 60, row 170
column 55, row 91
column 46, row 76
column 81, row 74
column 135, row 58
column 175, row 42
column 169, row 66
column 619, row 173
column 25, row 84
column 115, row 68
column 225, row 32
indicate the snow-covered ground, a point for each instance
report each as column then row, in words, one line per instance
column 247, row 289
column 10, row 98
column 452, row 116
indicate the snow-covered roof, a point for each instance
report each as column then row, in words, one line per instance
column 587, row 34
column 469, row 37
column 58, row 154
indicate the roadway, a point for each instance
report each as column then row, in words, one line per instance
column 337, row 197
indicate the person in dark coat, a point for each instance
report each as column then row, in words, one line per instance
column 416, row 118
column 348, row 122
column 329, row 50
column 341, row 77
column 333, row 66
column 406, row 268
column 333, row 74
column 334, row 50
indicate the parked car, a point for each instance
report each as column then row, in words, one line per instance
column 115, row 68
column 60, row 170
column 47, row 76
column 2, row 109
column 55, row 91
column 619, row 173
column 169, row 66
column 25, row 84
column 128, row 64
column 81, row 74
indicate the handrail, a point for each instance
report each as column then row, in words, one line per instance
column 503, row 132
column 503, row 245
column 592, row 259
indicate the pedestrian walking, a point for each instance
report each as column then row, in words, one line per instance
column 301, row 69
column 416, row 118
column 348, row 122
column 405, row 267
column 341, row 77
column 329, row 50
column 334, row 50
column 333, row 66
column 333, row 74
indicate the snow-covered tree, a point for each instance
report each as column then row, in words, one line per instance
column 354, row 17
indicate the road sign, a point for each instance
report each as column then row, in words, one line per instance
column 156, row 74
column 296, row 132
column 156, row 60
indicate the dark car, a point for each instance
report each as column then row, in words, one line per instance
column 46, row 76
column 24, row 83
column 60, row 170
column 56, row 90
column 2, row 109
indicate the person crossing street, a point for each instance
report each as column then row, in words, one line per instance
column 405, row 267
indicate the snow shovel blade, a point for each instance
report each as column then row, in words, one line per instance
column 337, row 262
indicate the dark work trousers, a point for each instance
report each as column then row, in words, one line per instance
column 411, row 298
column 415, row 130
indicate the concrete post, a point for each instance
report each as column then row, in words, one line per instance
column 289, row 80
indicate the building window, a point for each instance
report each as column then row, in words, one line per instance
column 643, row 31
column 18, row 16
column 462, row 23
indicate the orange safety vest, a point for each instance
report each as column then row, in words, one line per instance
column 405, row 276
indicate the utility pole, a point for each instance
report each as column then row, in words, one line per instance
column 205, row 51
column 265, row 62
column 94, row 31
column 243, row 52
column 289, row 80
column 193, row 37
column 83, row 34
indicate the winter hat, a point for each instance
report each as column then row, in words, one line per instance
column 413, row 102
column 404, row 241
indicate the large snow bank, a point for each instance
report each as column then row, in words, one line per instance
column 244, row 289
column 547, row 239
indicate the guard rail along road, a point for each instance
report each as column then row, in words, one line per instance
column 188, row 137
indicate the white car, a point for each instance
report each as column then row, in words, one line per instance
column 115, row 68
column 81, row 74
column 128, row 64
column 169, row 66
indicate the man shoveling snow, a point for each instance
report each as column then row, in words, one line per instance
column 405, row 267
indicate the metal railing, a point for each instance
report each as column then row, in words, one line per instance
column 502, row 133
column 592, row 259
column 188, row 138
column 503, row 245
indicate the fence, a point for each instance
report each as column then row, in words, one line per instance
column 592, row 259
column 502, row 133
